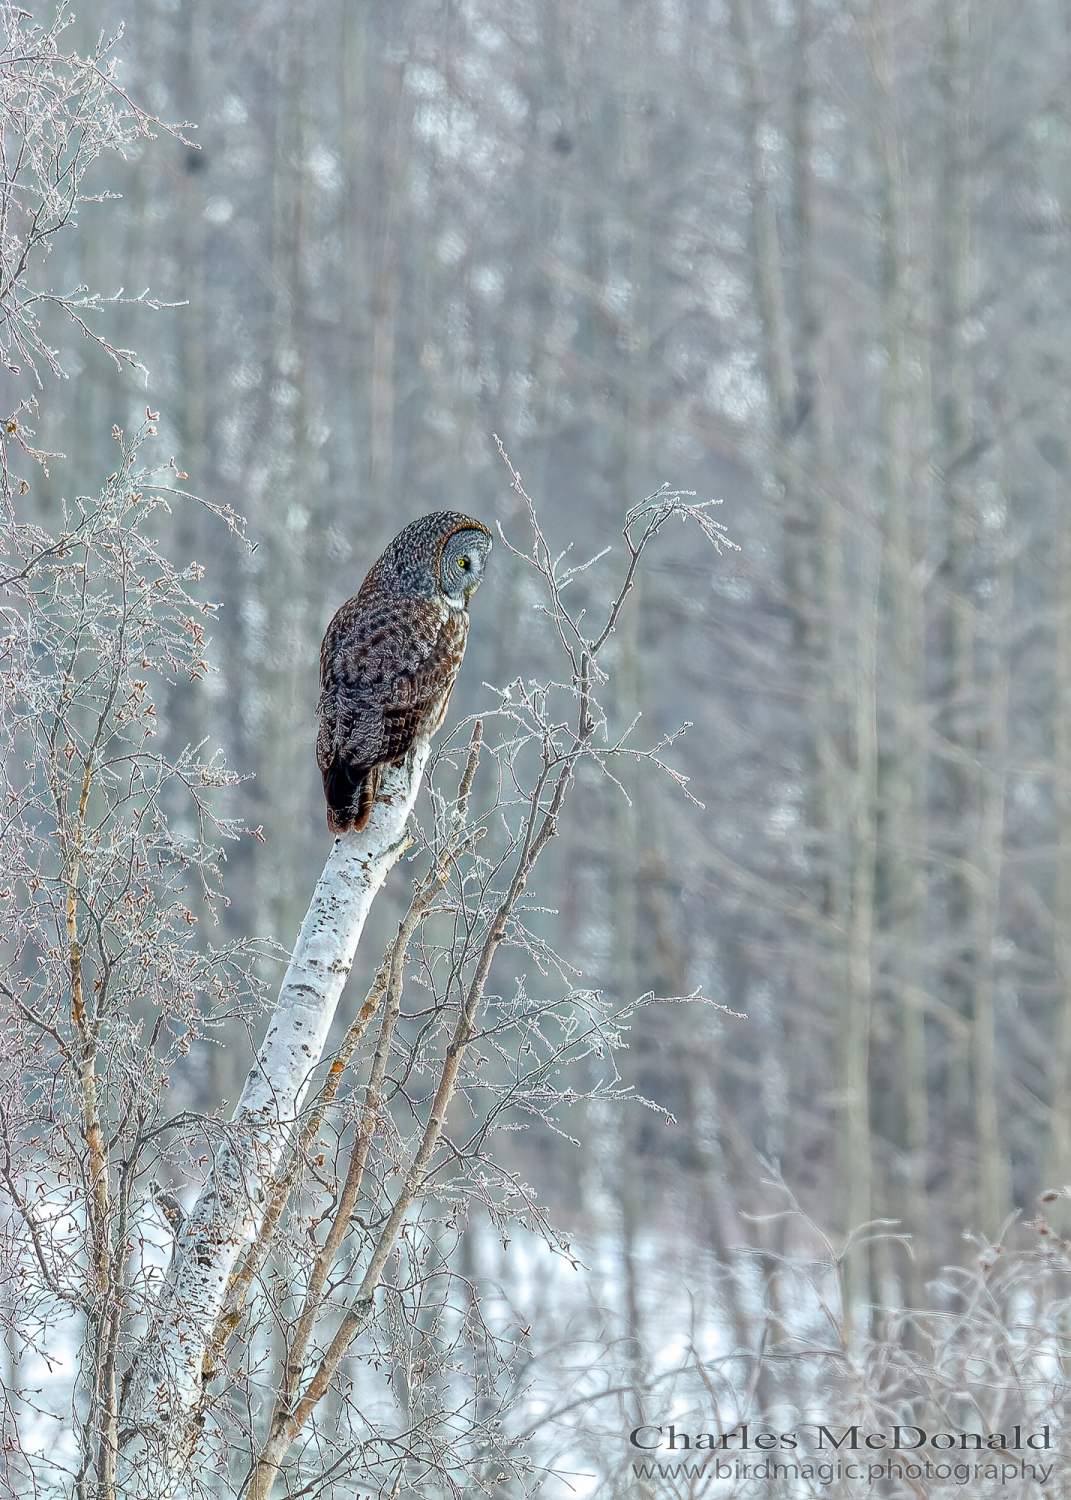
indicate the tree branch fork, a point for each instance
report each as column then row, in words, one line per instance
column 164, row 1389
column 223, row 1244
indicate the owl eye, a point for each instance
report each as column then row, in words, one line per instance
column 463, row 563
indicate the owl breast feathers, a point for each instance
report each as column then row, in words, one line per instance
column 390, row 657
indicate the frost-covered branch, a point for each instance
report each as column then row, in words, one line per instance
column 108, row 843
column 59, row 112
column 166, row 1386
column 547, row 731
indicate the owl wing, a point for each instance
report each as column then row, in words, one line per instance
column 386, row 669
column 420, row 697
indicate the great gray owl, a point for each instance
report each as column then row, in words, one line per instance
column 390, row 656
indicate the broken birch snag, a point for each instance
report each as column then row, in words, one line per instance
column 160, row 1421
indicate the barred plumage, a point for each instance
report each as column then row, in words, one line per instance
column 390, row 657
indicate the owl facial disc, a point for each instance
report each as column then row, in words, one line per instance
column 461, row 564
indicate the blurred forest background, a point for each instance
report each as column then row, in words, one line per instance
column 809, row 256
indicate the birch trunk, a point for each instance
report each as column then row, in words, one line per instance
column 166, row 1384
column 770, row 286
column 1058, row 1145
column 631, row 815
column 952, row 245
column 843, row 696
column 994, row 1194
column 861, row 791
column 977, row 716
column 900, row 799
column 1058, row 1156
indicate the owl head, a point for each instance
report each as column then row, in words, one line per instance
column 440, row 555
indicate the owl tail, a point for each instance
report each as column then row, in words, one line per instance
column 350, row 792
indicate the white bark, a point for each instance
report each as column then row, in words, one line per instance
column 166, row 1384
